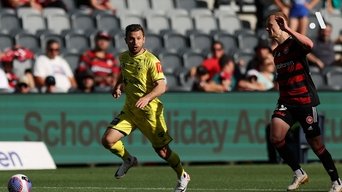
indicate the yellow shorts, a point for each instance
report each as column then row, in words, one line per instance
column 150, row 121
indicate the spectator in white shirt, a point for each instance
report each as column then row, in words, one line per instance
column 4, row 85
column 54, row 65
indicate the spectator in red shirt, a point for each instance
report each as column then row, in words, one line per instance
column 212, row 63
column 100, row 63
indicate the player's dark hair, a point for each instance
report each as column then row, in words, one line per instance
column 134, row 28
column 279, row 14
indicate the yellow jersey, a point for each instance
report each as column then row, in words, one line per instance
column 139, row 75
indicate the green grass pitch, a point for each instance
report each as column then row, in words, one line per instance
column 161, row 178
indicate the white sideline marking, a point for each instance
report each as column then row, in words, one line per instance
column 163, row 189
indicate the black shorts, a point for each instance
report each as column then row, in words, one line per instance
column 306, row 116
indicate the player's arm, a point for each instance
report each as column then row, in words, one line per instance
column 300, row 38
column 158, row 90
column 118, row 87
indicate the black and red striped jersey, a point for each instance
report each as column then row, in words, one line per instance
column 296, row 87
column 98, row 66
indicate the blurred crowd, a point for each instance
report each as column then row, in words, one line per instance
column 26, row 71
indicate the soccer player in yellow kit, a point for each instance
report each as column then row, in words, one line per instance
column 143, row 81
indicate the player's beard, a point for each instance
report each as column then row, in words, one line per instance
column 135, row 50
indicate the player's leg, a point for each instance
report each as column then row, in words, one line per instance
column 111, row 140
column 155, row 129
column 174, row 161
column 303, row 25
column 294, row 22
column 280, row 124
column 310, row 124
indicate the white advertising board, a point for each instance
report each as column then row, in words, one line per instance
column 24, row 156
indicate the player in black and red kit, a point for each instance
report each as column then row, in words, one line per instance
column 297, row 101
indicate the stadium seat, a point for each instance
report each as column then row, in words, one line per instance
column 171, row 62
column 334, row 79
column 27, row 40
column 138, row 5
column 107, row 22
column 186, row 4
column 152, row 12
column 229, row 23
column 7, row 10
column 206, row 23
column 223, row 12
column 153, row 42
column 118, row 4
column 119, row 41
column 247, row 41
column 76, row 41
column 192, row 59
column 318, row 79
column 131, row 19
column 82, row 22
column 200, row 12
column 175, row 41
column 53, row 11
column 70, row 4
column 33, row 23
column 22, row 11
column 162, row 4
column 229, row 41
column 58, row 23
column 9, row 22
column 72, row 58
column 123, row 12
column 182, row 24
column 46, row 36
column 19, row 67
column 176, row 12
column 200, row 42
column 157, row 23
column 6, row 41
column 172, row 82
column 243, row 59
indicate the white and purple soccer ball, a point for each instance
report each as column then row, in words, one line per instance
column 19, row 183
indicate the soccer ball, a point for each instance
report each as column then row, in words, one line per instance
column 19, row 183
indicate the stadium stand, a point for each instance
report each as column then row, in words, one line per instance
column 9, row 22
column 58, row 23
column 175, row 41
column 162, row 4
column 157, row 23
column 154, row 42
column 107, row 22
column 180, row 32
column 6, row 41
column 138, row 5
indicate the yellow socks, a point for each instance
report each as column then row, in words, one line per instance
column 175, row 163
column 119, row 149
